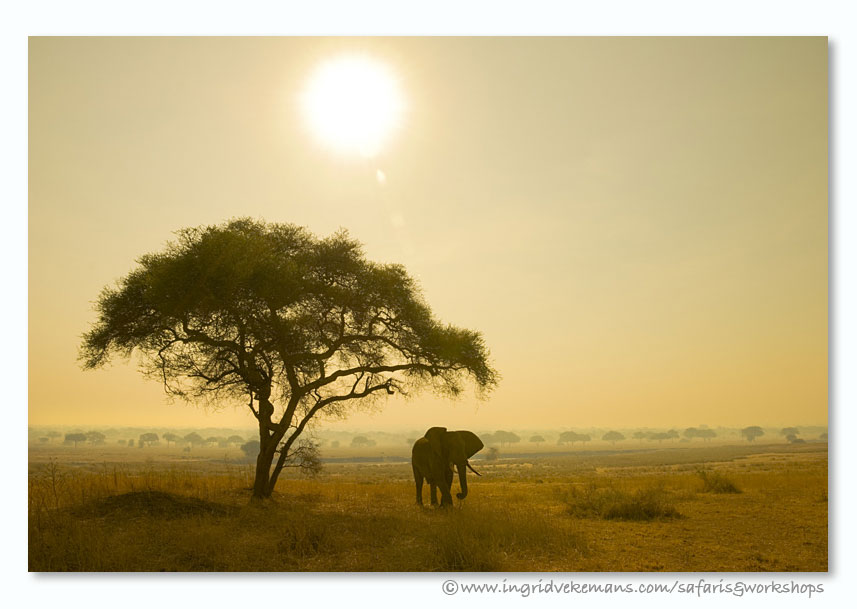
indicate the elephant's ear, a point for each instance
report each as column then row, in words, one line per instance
column 435, row 436
column 472, row 443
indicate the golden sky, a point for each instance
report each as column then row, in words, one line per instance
column 638, row 226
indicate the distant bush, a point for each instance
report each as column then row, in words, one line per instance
column 611, row 503
column 250, row 449
column 95, row 437
column 613, row 437
column 74, row 438
column 752, row 432
column 150, row 439
column 493, row 454
column 715, row 482
column 193, row 439
column 505, row 437
column 571, row 436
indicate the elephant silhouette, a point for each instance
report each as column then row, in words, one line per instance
column 434, row 456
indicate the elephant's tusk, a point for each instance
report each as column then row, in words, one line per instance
column 471, row 468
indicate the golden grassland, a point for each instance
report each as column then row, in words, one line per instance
column 713, row 508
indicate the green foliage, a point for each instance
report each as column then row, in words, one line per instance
column 233, row 306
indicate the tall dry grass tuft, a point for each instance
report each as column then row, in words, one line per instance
column 611, row 503
column 715, row 482
column 483, row 539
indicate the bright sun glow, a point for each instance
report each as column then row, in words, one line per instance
column 352, row 104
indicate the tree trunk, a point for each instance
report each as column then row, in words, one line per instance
column 261, row 488
column 267, row 447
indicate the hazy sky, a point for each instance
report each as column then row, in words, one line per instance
column 638, row 226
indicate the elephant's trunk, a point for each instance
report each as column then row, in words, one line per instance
column 462, row 480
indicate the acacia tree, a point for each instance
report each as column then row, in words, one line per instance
column 752, row 432
column 290, row 324
column 506, row 437
column 706, row 434
column 75, row 438
column 613, row 437
column 193, row 438
column 95, row 437
column 571, row 436
column 149, row 438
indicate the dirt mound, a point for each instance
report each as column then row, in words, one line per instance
column 153, row 503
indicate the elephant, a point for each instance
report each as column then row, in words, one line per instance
column 434, row 455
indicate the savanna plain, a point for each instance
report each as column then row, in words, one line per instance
column 733, row 507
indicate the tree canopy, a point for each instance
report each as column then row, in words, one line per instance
column 75, row 438
column 613, row 437
column 572, row 436
column 752, row 432
column 505, row 437
column 290, row 324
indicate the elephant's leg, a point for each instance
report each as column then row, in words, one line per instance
column 433, row 493
column 446, row 488
column 418, row 479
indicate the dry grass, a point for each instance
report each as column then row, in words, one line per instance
column 596, row 513
column 715, row 482
column 611, row 503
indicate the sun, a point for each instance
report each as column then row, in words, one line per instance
column 352, row 104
